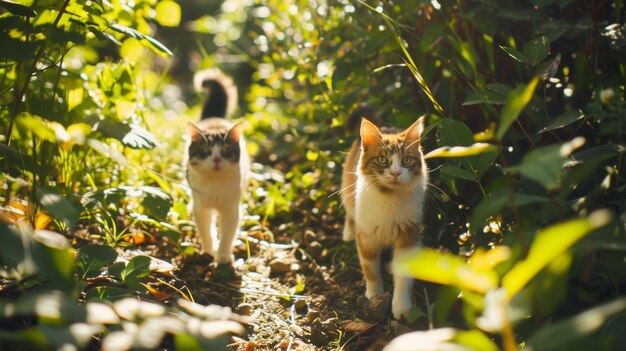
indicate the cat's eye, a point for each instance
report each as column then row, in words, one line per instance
column 408, row 161
column 381, row 161
column 227, row 152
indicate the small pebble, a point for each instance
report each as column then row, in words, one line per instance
column 245, row 309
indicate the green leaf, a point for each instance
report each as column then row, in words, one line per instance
column 549, row 244
column 14, row 162
column 58, row 206
column 514, row 53
column 461, row 151
column 457, row 172
column 443, row 268
column 475, row 340
column 137, row 267
column 544, row 165
column 563, row 120
column 168, row 13
column 564, row 335
column 91, row 259
column 158, row 47
column 156, row 201
column 451, row 132
column 37, row 126
column 498, row 201
column 536, row 50
column 17, row 9
column 486, row 97
column 516, row 101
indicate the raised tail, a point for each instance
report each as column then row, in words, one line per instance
column 353, row 123
column 220, row 90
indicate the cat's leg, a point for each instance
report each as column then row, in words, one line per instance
column 205, row 221
column 369, row 256
column 228, row 227
column 348, row 227
column 402, row 300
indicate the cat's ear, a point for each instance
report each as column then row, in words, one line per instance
column 235, row 132
column 194, row 132
column 369, row 133
column 414, row 132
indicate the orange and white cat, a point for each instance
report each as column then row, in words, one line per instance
column 383, row 192
column 217, row 166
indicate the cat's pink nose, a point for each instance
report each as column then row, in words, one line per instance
column 217, row 161
column 395, row 173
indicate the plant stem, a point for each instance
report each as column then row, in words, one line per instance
column 29, row 74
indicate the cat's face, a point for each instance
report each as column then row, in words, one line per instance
column 215, row 150
column 391, row 160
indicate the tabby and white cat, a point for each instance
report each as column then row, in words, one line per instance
column 383, row 192
column 217, row 166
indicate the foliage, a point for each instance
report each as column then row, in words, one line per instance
column 525, row 107
column 519, row 96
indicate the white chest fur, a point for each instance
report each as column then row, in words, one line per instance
column 216, row 189
column 379, row 214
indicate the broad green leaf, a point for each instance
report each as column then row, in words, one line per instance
column 486, row 97
column 130, row 135
column 498, row 201
column 451, row 132
column 563, row 335
column 168, row 13
column 461, row 151
column 544, row 165
column 91, row 259
column 156, row 201
column 485, row 161
column 549, row 244
column 457, row 172
column 442, row 268
column 549, row 68
column 137, row 267
column 563, row 120
column 516, row 54
column 516, row 101
column 58, row 206
column 536, row 50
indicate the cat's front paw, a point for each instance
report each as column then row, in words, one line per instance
column 400, row 310
column 222, row 259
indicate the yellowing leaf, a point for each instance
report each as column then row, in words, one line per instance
column 461, row 151
column 550, row 244
column 516, row 101
column 437, row 267
column 132, row 50
column 484, row 260
column 168, row 13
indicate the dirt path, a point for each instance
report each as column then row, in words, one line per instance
column 301, row 295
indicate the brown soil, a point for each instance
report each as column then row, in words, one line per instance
column 301, row 295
